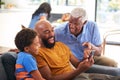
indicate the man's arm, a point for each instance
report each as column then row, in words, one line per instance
column 83, row 65
column 46, row 73
column 80, row 67
column 98, row 49
column 36, row 75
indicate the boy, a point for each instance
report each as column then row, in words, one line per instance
column 28, row 43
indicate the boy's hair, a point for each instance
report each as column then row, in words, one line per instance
column 24, row 38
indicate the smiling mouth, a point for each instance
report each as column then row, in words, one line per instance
column 51, row 40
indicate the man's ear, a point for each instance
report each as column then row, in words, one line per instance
column 23, row 27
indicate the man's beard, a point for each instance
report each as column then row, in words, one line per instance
column 48, row 45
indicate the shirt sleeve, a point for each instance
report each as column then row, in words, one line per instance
column 96, row 36
column 30, row 63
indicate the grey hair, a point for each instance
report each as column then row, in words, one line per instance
column 79, row 12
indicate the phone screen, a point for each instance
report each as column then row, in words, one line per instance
column 92, row 53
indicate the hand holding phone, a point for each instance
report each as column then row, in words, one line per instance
column 91, row 54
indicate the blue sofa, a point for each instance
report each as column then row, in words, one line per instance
column 7, row 66
column 3, row 75
column 5, row 62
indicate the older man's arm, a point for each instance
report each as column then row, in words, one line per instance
column 98, row 49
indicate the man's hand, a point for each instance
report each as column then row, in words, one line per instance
column 87, row 52
column 85, row 64
column 90, row 46
column 14, row 50
column 87, row 45
column 87, row 49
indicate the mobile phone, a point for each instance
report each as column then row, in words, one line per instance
column 91, row 54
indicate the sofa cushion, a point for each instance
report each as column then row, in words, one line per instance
column 9, row 60
column 2, row 71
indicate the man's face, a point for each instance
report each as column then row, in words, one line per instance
column 47, row 43
column 75, row 25
column 46, row 33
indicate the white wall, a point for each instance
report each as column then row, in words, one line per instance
column 18, row 3
column 89, row 5
column 10, row 24
column 11, row 19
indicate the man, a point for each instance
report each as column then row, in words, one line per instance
column 79, row 33
column 55, row 58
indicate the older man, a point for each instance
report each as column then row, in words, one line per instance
column 79, row 33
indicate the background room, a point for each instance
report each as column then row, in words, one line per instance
column 106, row 13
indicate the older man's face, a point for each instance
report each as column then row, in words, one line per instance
column 75, row 25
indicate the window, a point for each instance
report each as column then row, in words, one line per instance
column 108, row 13
column 58, row 6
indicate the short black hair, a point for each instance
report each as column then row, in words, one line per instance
column 24, row 38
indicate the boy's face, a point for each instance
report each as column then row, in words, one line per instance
column 34, row 47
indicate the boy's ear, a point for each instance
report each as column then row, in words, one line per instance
column 23, row 27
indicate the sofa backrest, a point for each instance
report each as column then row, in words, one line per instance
column 55, row 16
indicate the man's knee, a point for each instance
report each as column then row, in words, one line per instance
column 93, row 76
column 102, row 60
